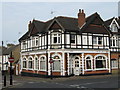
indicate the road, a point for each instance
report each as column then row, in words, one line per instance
column 102, row 81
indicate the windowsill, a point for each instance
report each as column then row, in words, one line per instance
column 41, row 70
column 101, row 69
column 98, row 45
column 55, row 43
column 56, row 70
column 88, row 69
column 29, row 69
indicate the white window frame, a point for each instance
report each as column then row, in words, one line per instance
column 114, row 28
column 58, row 35
column 106, row 67
column 32, row 60
column 36, row 65
column 57, row 60
column 114, row 64
column 42, row 61
column 114, row 40
column 97, row 40
column 24, row 59
column 91, row 59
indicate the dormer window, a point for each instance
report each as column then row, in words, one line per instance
column 56, row 38
column 114, row 28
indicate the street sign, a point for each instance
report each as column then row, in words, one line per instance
column 11, row 59
column 51, row 61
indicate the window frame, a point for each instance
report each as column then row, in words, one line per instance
column 40, row 60
column 96, row 38
column 56, row 35
column 106, row 67
column 24, row 60
column 56, row 60
column 91, row 63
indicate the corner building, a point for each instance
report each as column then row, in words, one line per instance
column 78, row 46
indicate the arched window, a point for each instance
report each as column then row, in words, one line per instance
column 114, row 41
column 24, row 63
column 42, row 63
column 36, row 63
column 88, row 62
column 100, row 62
column 56, row 63
column 30, row 63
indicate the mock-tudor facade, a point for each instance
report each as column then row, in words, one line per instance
column 113, row 25
column 78, row 46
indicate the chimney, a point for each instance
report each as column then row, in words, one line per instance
column 29, row 25
column 81, row 18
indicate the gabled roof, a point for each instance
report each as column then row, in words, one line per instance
column 93, row 26
column 109, row 21
column 9, row 50
column 68, row 23
column 2, row 49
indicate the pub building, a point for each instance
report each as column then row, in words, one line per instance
column 77, row 46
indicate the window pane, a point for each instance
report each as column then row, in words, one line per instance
column 42, row 65
column 58, row 39
column 55, row 40
column 24, row 64
column 99, row 64
column 72, row 39
column 94, row 40
column 88, row 64
column 56, row 65
column 30, row 64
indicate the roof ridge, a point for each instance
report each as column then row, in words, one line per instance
column 39, row 21
column 66, row 17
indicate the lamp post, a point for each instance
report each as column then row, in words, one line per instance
column 11, row 60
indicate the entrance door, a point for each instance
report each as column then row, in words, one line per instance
column 76, row 67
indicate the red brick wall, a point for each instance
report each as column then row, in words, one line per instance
column 96, row 72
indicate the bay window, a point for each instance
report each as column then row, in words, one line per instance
column 56, row 38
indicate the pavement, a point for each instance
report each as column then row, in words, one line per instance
column 96, row 81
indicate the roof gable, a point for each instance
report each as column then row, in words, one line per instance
column 94, row 24
column 55, row 26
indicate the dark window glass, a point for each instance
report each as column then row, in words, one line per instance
column 100, row 64
column 88, row 62
column 72, row 38
column 55, row 39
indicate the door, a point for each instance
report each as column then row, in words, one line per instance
column 76, row 67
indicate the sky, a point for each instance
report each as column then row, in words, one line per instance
column 16, row 15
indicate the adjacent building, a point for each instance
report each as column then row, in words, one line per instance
column 113, row 25
column 13, row 50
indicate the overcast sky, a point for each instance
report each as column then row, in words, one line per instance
column 16, row 15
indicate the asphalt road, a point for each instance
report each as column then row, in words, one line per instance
column 104, row 81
